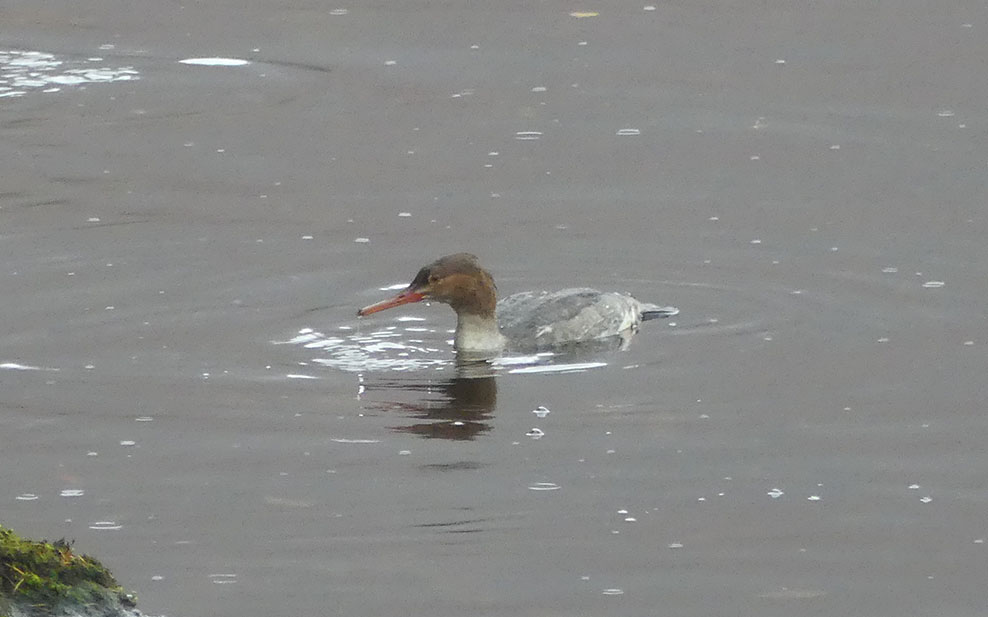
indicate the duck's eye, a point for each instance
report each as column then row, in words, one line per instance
column 433, row 279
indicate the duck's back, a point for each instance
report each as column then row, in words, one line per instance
column 570, row 316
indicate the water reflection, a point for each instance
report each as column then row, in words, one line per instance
column 458, row 408
column 392, row 350
column 23, row 72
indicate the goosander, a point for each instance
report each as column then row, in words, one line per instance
column 526, row 320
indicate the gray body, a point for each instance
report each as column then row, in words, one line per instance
column 544, row 319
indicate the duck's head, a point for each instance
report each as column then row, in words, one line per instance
column 456, row 280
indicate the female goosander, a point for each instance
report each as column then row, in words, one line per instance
column 526, row 320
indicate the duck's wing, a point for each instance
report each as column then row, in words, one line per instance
column 566, row 316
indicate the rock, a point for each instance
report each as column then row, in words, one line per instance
column 48, row 579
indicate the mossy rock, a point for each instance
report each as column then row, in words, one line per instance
column 48, row 578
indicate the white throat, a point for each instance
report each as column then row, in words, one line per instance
column 476, row 334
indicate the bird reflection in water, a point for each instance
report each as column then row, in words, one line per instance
column 459, row 408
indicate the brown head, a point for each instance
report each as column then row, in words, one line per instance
column 456, row 280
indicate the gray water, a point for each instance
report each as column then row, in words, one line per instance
column 805, row 182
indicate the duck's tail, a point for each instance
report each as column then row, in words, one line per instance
column 653, row 311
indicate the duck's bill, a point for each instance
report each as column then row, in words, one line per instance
column 405, row 297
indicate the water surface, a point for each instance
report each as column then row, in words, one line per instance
column 805, row 183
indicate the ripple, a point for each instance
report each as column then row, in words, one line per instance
column 105, row 526
column 223, row 579
column 25, row 71
column 381, row 350
column 520, row 360
column 576, row 367
column 215, row 61
column 544, row 486
column 13, row 366
column 410, row 343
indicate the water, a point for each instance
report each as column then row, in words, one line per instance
column 215, row 61
column 805, row 437
column 30, row 71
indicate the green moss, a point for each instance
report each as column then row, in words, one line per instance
column 45, row 575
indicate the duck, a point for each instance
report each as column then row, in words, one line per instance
column 528, row 320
